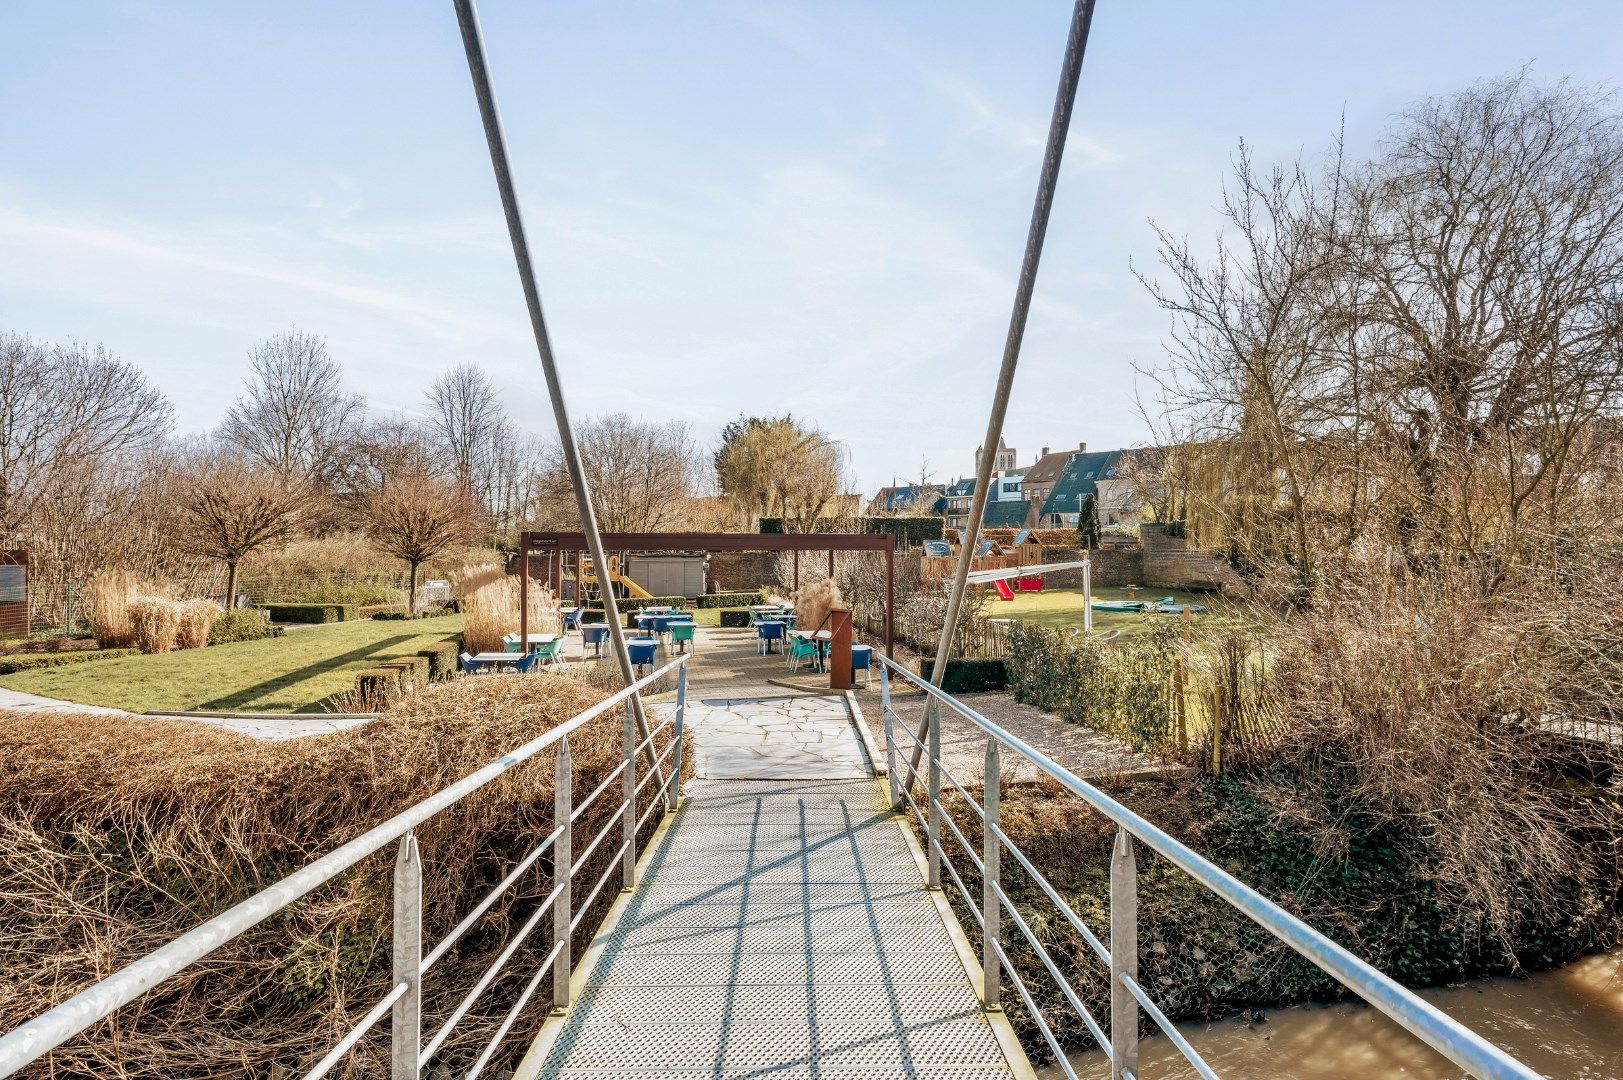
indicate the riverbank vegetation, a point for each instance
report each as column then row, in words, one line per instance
column 122, row 833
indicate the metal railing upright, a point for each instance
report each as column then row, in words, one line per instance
column 409, row 1055
column 1118, row 950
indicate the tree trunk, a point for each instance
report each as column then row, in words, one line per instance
column 230, row 584
column 411, row 591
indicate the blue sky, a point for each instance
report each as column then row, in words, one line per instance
column 735, row 207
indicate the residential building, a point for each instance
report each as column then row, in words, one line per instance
column 909, row 498
column 958, row 496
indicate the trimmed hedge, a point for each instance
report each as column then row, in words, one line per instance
column 310, row 613
column 378, row 685
column 631, row 603
column 970, row 676
column 413, row 670
column 10, row 665
column 373, row 611
column 908, row 531
column 735, row 617
column 391, row 616
column 242, row 624
column 442, row 658
column 727, row 599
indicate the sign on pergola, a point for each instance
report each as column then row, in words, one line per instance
column 555, row 544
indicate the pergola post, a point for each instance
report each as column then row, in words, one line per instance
column 524, row 593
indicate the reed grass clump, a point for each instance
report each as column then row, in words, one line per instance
column 154, row 622
column 491, row 609
column 118, row 834
column 195, row 621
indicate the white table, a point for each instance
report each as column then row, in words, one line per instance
column 535, row 639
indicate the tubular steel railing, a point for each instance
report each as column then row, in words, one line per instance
column 1119, row 954
column 409, row 1054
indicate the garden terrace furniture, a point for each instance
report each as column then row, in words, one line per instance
column 510, row 641
column 819, row 640
column 769, row 630
column 804, row 648
column 572, row 619
column 642, row 651
column 548, row 652
column 497, row 660
column 594, row 634
column 681, row 634
column 862, row 660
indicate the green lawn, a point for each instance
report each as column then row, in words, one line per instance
column 1063, row 607
column 286, row 674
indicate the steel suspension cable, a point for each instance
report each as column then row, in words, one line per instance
column 473, row 43
column 1064, row 101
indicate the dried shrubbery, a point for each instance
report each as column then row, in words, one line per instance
column 1425, row 702
column 194, row 621
column 118, row 834
column 491, row 610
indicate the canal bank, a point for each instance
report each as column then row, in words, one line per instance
column 1567, row 1023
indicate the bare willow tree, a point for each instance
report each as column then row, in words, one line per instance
column 419, row 517
column 1426, row 349
column 643, row 475
column 295, row 417
column 232, row 507
column 782, row 467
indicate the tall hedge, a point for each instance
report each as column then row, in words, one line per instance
column 1124, row 688
column 907, row 531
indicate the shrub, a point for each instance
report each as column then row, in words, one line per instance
column 154, row 623
column 310, row 613
column 413, row 670
column 107, row 597
column 1124, row 688
column 196, row 620
column 28, row 661
column 442, row 658
column 356, row 594
column 370, row 611
column 378, row 687
column 632, row 603
column 242, row 624
column 727, row 599
column 971, row 676
column 391, row 615
column 814, row 601
column 735, row 617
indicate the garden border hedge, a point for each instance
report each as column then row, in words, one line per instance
column 727, row 599
column 310, row 613
column 10, row 665
column 737, row 618
column 970, row 676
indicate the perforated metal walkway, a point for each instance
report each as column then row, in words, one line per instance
column 782, row 928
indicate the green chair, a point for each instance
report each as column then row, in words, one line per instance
column 548, row 652
column 802, row 649
column 681, row 634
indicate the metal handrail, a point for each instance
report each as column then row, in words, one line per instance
column 34, row 1039
column 1431, row 1025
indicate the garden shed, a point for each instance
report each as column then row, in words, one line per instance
column 668, row 574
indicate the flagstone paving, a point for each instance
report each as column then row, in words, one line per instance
column 785, row 737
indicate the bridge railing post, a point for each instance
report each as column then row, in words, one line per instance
column 628, row 808
column 1123, row 957
column 890, row 737
column 563, row 863
column 991, row 878
column 933, row 715
column 675, row 789
column 406, row 1025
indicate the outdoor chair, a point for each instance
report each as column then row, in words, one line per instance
column 803, row 649
column 594, row 636
column 769, row 630
column 469, row 664
column 572, row 619
column 510, row 642
column 524, row 665
column 862, row 660
column 642, row 652
column 681, row 634
column 548, row 652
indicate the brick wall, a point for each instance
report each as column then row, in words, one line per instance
column 1169, row 563
column 740, row 571
column 1111, row 566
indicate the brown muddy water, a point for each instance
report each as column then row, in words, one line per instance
column 1566, row 1023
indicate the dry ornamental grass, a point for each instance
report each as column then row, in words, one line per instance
column 120, row 834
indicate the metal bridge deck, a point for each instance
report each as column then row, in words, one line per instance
column 781, row 928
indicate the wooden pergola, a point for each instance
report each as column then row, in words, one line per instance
column 555, row 544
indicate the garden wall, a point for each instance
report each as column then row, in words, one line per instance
column 742, row 571
column 1111, row 566
column 1169, row 563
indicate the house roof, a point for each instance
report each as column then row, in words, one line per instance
column 1008, row 514
column 892, row 499
column 961, row 488
column 1079, row 479
column 1047, row 468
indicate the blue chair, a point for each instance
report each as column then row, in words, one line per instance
column 594, row 635
column 470, row 665
column 642, row 652
column 862, row 660
column 769, row 630
column 523, row 666
column 572, row 619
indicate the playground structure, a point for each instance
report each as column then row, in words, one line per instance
column 590, row 587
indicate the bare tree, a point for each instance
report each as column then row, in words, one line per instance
column 419, row 517
column 469, row 425
column 643, row 475
column 233, row 507
column 65, row 411
column 296, row 418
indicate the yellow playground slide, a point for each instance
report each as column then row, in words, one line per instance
column 589, row 577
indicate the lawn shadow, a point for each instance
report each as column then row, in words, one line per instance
column 237, row 698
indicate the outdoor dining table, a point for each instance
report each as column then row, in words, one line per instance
column 660, row 624
column 495, row 659
column 511, row 641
